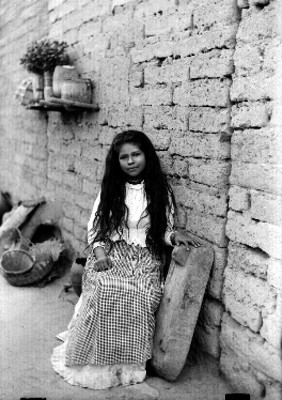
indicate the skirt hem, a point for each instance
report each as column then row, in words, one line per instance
column 96, row 376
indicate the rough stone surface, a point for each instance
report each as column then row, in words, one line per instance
column 266, row 207
column 216, row 280
column 210, row 172
column 240, row 228
column 207, row 92
column 212, row 120
column 273, row 391
column 239, row 198
column 261, row 146
column 179, row 308
column 216, row 63
column 212, row 226
column 272, row 325
column 209, row 340
column 240, row 372
column 260, row 355
column 249, row 290
column 202, row 79
column 250, row 115
column 274, row 273
column 262, row 177
column 250, row 261
column 199, row 200
column 201, row 145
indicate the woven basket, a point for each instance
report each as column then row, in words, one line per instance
column 21, row 268
column 13, row 239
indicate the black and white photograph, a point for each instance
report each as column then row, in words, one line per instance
column 141, row 200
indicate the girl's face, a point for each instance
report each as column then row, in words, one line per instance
column 132, row 159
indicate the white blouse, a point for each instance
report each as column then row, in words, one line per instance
column 135, row 200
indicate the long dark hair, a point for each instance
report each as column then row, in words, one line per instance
column 112, row 208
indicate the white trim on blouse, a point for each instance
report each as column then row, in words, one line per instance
column 136, row 202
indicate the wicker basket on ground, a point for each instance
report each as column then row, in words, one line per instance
column 21, row 268
column 13, row 239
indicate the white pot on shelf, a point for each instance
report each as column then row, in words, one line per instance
column 48, row 91
column 38, row 87
column 78, row 90
column 62, row 73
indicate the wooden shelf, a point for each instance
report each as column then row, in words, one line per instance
column 44, row 105
column 56, row 104
column 73, row 104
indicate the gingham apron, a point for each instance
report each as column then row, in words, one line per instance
column 115, row 323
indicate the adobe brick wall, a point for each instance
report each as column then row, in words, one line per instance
column 201, row 78
column 252, row 324
column 23, row 151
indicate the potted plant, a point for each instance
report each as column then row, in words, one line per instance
column 41, row 58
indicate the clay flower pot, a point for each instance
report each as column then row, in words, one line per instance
column 38, row 87
column 47, row 77
column 61, row 74
column 78, row 90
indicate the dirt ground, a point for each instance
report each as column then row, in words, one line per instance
column 30, row 319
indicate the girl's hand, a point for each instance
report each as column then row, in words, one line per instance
column 103, row 264
column 184, row 239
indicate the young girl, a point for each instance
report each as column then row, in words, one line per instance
column 110, row 336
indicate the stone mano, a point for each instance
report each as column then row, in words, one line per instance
column 179, row 309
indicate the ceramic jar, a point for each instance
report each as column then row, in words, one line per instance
column 61, row 74
column 47, row 85
column 38, row 87
column 78, row 90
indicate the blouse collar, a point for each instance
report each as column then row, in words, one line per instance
column 134, row 185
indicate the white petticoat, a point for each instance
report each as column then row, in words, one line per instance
column 94, row 376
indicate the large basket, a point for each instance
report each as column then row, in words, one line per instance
column 21, row 268
column 13, row 239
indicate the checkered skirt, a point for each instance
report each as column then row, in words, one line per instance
column 115, row 323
